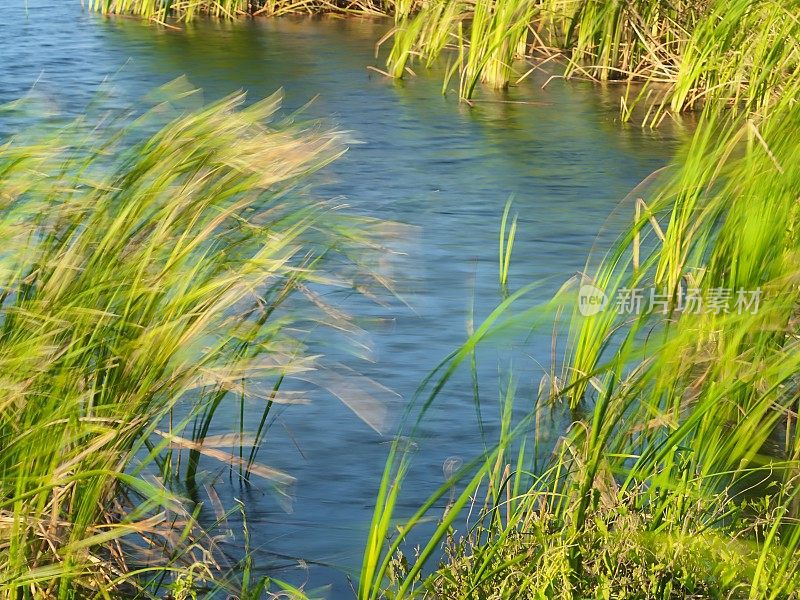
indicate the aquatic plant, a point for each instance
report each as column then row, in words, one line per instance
column 152, row 268
column 186, row 10
column 678, row 474
column 685, row 53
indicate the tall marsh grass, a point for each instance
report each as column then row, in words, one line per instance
column 151, row 269
column 685, row 53
column 680, row 55
column 186, row 10
column 678, row 476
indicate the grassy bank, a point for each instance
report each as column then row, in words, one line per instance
column 185, row 10
column 152, row 269
column 673, row 56
column 678, row 477
column 684, row 54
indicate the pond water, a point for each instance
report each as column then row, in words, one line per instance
column 424, row 160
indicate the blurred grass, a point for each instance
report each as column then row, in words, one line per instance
column 153, row 268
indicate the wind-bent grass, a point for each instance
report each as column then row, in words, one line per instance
column 678, row 477
column 141, row 270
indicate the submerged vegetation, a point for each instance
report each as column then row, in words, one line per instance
column 151, row 270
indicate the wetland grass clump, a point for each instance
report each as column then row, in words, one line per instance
column 680, row 55
column 151, row 268
column 741, row 52
column 679, row 476
column 186, row 10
